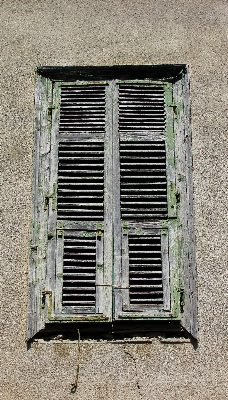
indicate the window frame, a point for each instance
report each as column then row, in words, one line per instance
column 42, row 282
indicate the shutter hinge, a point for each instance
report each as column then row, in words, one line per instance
column 49, row 110
column 51, row 234
column 182, row 300
column 51, row 196
column 43, row 300
column 177, row 194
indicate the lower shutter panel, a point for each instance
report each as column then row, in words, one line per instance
column 79, row 270
column 145, row 270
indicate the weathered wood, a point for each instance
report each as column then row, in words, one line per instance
column 117, row 232
column 190, row 301
column 99, row 271
column 125, row 272
column 79, row 211
column 39, row 231
column 165, row 269
column 59, row 272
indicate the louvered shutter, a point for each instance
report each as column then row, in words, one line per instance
column 146, row 181
column 81, row 280
column 112, row 226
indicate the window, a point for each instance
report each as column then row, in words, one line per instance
column 112, row 224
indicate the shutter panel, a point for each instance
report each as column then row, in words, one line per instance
column 80, row 286
column 143, row 201
column 146, row 270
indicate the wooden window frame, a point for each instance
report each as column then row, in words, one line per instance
column 45, row 281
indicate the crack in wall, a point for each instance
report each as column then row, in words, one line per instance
column 136, row 371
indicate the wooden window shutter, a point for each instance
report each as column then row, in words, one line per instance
column 146, row 180
column 83, row 284
column 142, row 206
column 112, row 226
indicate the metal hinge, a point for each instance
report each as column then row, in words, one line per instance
column 51, row 196
column 44, row 294
column 182, row 300
column 49, row 110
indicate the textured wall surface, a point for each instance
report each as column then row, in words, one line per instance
column 107, row 32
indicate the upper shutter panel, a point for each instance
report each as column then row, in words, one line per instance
column 82, row 109
column 141, row 108
column 81, row 153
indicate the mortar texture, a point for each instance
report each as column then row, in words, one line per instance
column 108, row 32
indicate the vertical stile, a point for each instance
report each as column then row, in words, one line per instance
column 125, row 271
column 53, row 113
column 37, row 276
column 170, row 152
column 189, row 299
column 59, row 271
column 99, row 271
column 43, row 185
column 116, row 207
column 108, row 204
column 165, row 270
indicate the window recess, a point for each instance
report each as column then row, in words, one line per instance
column 112, row 215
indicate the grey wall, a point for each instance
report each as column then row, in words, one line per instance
column 87, row 32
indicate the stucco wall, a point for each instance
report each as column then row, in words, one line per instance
column 87, row 32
